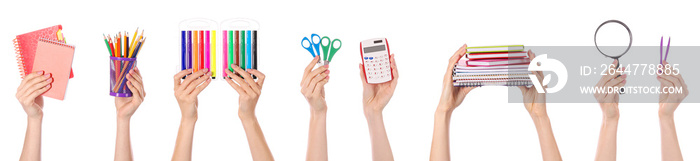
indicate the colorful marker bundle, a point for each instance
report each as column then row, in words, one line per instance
column 122, row 53
column 198, row 50
column 240, row 47
column 237, row 44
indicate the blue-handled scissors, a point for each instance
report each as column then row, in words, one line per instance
column 312, row 45
column 663, row 58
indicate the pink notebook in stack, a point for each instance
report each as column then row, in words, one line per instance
column 25, row 46
column 56, row 58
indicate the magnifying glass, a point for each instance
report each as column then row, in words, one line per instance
column 610, row 55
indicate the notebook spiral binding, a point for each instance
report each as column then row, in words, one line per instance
column 479, row 84
column 20, row 58
column 56, row 42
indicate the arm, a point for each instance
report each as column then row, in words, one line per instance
column 375, row 98
column 312, row 87
column 607, row 141
column 29, row 96
column 249, row 91
column 535, row 104
column 449, row 100
column 186, row 94
column 126, row 106
column 668, row 102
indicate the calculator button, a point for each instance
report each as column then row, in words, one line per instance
column 370, row 58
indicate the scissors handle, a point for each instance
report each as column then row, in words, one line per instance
column 333, row 49
column 325, row 46
column 306, row 39
column 314, row 38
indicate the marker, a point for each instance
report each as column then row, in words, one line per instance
column 213, row 54
column 225, row 60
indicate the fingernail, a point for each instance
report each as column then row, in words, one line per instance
column 40, row 72
column 325, row 66
column 615, row 61
column 327, row 71
column 328, row 77
column 49, row 80
column 49, row 85
column 205, row 69
column 47, row 75
column 624, row 76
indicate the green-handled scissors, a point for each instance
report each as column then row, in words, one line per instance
column 329, row 49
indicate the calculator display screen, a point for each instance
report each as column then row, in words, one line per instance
column 374, row 49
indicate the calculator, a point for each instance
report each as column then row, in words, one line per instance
column 375, row 59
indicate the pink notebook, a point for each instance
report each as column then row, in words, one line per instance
column 56, row 58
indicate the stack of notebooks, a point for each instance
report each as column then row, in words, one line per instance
column 493, row 66
column 46, row 50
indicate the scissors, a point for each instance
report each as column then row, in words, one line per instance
column 663, row 58
column 312, row 44
column 329, row 49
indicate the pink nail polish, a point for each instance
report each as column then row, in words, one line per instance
column 327, row 71
column 40, row 72
column 47, row 75
column 49, row 80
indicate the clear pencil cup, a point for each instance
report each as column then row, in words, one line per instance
column 118, row 69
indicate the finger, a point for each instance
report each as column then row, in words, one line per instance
column 29, row 77
column 235, row 86
column 454, row 60
column 241, row 83
column 675, row 82
column 33, row 87
column 248, row 79
column 311, row 65
column 197, row 82
column 458, row 54
column 319, row 86
column 362, row 74
column 260, row 75
column 186, row 83
column 523, row 89
column 135, row 92
column 177, row 78
column 313, row 74
column 138, row 86
column 201, row 88
column 137, row 75
column 664, row 82
column 38, row 92
column 616, row 81
column 317, row 79
column 532, row 56
column 29, row 82
column 394, row 70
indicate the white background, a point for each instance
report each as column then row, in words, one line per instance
column 422, row 35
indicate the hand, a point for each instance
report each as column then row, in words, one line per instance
column 533, row 100
column 609, row 101
column 312, row 85
column 30, row 90
column 668, row 102
column 453, row 96
column 126, row 106
column 248, row 89
column 186, row 91
column 376, row 96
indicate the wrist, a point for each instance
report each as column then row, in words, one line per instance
column 38, row 116
column 188, row 120
column 246, row 115
column 444, row 108
column 318, row 112
column 372, row 113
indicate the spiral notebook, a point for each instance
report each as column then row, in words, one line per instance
column 25, row 46
column 54, row 57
